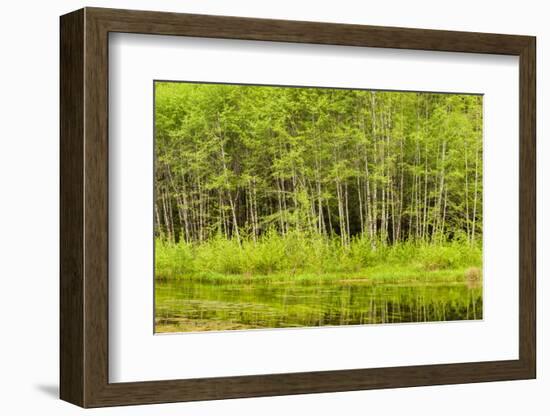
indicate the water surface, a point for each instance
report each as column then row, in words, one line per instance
column 183, row 306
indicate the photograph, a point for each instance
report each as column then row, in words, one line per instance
column 286, row 206
column 278, row 205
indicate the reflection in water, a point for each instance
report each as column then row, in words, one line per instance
column 198, row 306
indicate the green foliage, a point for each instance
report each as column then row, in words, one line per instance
column 244, row 161
column 172, row 260
column 278, row 206
column 298, row 254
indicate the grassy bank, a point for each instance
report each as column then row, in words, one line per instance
column 300, row 258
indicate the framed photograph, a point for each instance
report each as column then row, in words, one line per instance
column 254, row 207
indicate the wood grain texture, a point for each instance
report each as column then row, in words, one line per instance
column 162, row 23
column 71, row 100
column 96, row 208
column 84, row 207
column 527, row 207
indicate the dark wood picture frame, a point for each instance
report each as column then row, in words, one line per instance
column 84, row 207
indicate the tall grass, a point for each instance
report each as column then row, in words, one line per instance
column 298, row 254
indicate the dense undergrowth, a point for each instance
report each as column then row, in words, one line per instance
column 299, row 256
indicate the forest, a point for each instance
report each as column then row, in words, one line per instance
column 272, row 184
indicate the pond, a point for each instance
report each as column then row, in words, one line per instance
column 183, row 306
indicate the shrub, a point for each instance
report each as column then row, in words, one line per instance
column 298, row 252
